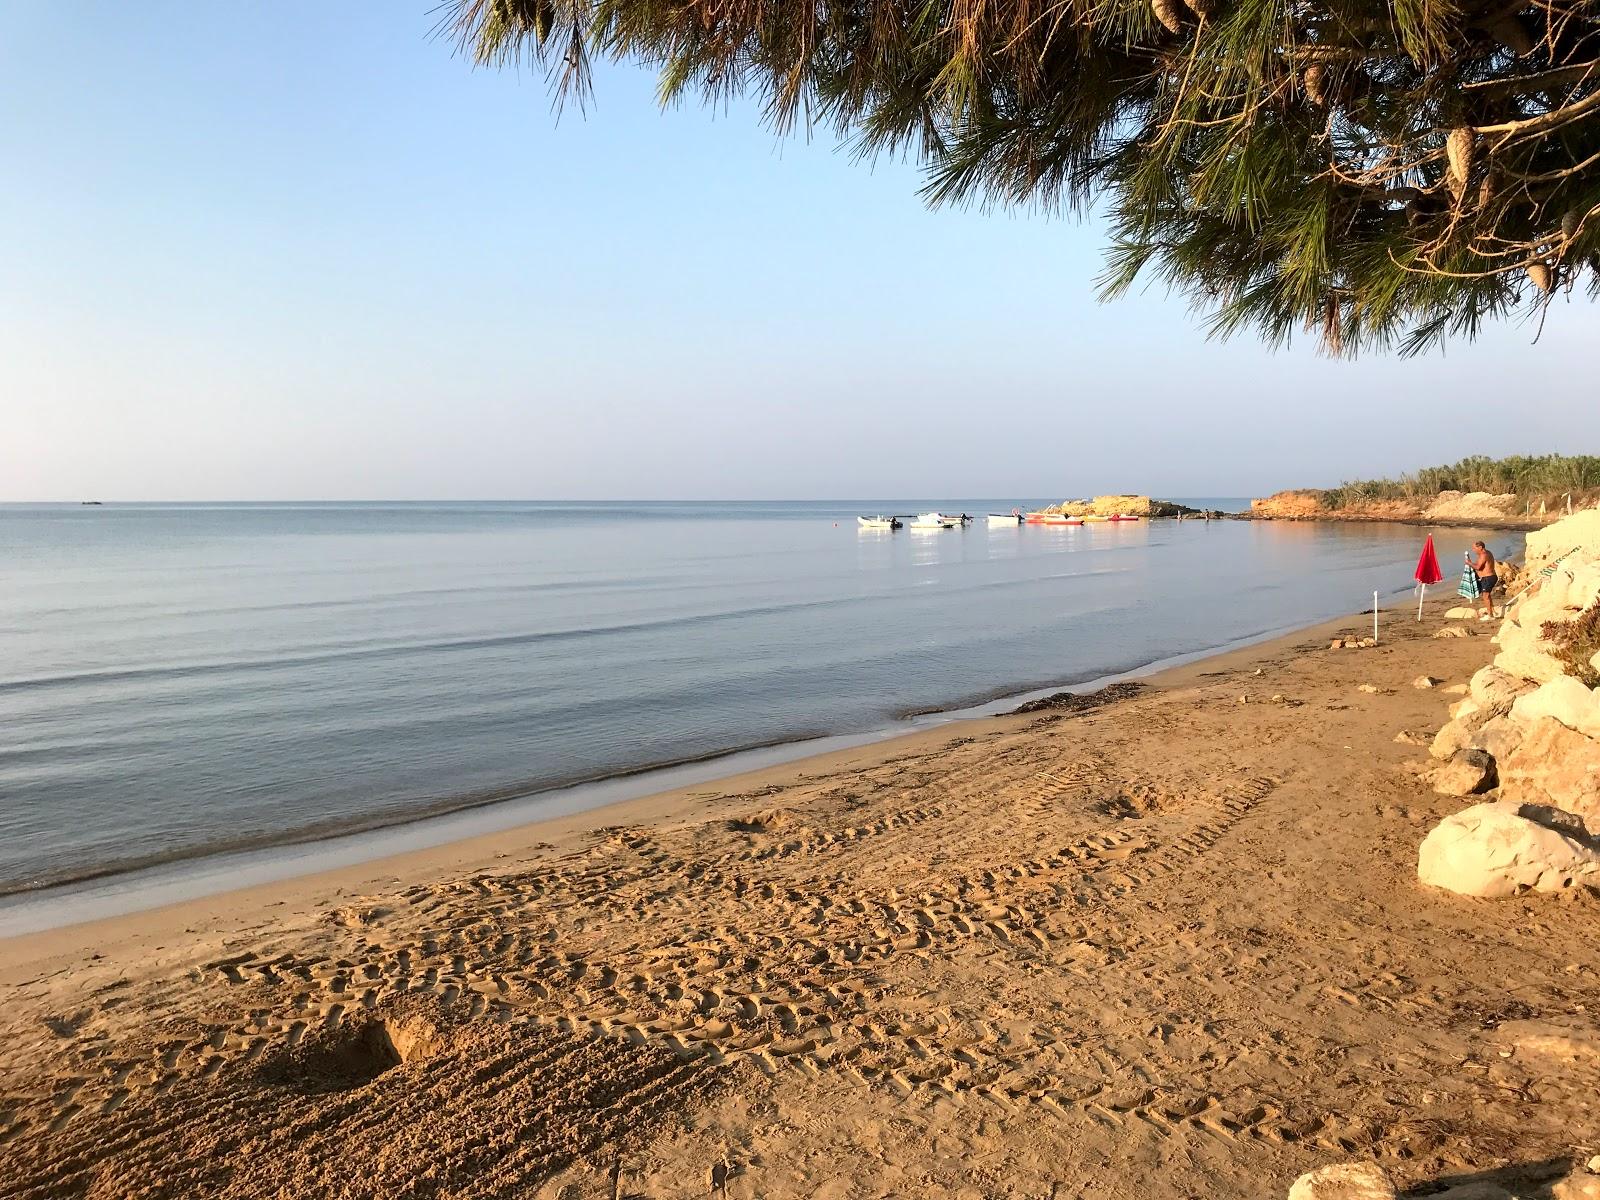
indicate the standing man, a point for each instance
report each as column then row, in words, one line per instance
column 1483, row 568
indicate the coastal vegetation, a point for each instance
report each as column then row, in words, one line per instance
column 1530, row 477
column 1575, row 644
column 1382, row 175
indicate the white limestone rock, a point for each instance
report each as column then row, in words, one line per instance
column 1581, row 529
column 1457, row 734
column 1553, row 765
column 1493, row 688
column 1467, row 773
column 1578, row 1184
column 1523, row 651
column 1344, row 1181
column 1564, row 699
column 1500, row 737
column 1502, row 848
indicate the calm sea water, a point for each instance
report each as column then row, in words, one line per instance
column 183, row 679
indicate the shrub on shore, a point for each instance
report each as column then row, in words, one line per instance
column 1533, row 477
column 1575, row 644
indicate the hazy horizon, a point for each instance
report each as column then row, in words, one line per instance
column 312, row 255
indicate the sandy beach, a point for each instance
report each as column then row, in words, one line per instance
column 1168, row 945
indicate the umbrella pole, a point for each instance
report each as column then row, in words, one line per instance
column 1374, row 617
column 1420, row 599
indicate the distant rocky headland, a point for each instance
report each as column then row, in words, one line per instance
column 1521, row 492
column 1517, row 492
column 1505, row 510
column 1477, row 509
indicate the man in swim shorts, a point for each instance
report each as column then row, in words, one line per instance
column 1483, row 568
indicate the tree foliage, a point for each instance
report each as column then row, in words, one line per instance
column 1384, row 173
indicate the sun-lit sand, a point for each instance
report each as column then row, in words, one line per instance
column 1169, row 946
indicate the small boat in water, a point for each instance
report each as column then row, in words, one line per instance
column 933, row 520
column 1122, row 517
column 1050, row 518
column 879, row 522
column 1005, row 518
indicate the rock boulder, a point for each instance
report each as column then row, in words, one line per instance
column 1344, row 1181
column 1523, row 651
column 1553, row 765
column 1501, row 849
column 1578, row 1185
column 1500, row 737
column 1467, row 773
column 1564, row 699
column 1458, row 733
column 1493, row 688
column 1551, row 1043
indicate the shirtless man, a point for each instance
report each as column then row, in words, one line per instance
column 1483, row 568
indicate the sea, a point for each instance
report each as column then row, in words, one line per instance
column 192, row 683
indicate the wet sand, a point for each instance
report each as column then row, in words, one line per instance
column 1169, row 946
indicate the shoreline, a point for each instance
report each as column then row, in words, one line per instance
column 270, row 877
column 1336, row 518
column 186, row 878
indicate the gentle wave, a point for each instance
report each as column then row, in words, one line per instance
column 447, row 645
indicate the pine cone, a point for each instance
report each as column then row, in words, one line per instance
column 1316, row 83
column 1167, row 13
column 1540, row 274
column 1458, row 149
column 1488, row 187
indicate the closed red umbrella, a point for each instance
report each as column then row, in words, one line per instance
column 1427, row 571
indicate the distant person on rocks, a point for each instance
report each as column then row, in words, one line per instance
column 1483, row 568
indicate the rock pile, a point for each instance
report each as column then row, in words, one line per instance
column 1528, row 726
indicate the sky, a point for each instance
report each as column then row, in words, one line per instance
column 306, row 251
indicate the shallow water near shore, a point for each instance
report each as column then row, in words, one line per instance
column 186, row 680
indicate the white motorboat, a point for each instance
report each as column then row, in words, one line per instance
column 933, row 520
column 1005, row 518
column 878, row 522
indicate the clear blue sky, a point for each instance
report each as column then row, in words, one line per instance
column 303, row 251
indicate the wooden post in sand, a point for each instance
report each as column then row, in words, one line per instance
column 1374, row 617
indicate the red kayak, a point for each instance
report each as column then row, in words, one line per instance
column 1120, row 517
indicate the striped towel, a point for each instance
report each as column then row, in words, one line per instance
column 1545, row 572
